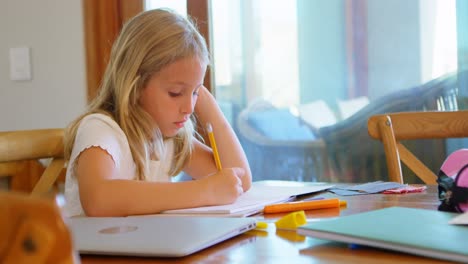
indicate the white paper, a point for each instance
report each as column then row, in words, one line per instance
column 255, row 199
column 460, row 220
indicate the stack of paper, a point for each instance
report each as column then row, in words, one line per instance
column 260, row 194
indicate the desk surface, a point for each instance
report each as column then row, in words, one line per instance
column 274, row 246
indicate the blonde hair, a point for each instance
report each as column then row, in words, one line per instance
column 147, row 43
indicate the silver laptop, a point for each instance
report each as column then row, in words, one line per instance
column 160, row 236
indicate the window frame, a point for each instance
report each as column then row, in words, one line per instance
column 103, row 20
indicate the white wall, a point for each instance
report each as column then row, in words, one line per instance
column 53, row 29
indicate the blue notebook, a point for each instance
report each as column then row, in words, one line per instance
column 415, row 231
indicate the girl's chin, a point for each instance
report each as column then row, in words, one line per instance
column 171, row 133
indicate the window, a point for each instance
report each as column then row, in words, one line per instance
column 281, row 68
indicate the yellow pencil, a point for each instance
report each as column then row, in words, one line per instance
column 209, row 128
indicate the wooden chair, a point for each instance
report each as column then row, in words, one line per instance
column 33, row 231
column 392, row 128
column 19, row 148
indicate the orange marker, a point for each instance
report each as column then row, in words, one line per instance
column 306, row 205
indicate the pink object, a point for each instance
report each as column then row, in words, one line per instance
column 454, row 162
column 406, row 189
column 462, row 181
column 451, row 167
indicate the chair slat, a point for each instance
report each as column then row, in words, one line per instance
column 421, row 170
column 392, row 128
column 391, row 153
column 32, row 144
column 427, row 125
column 49, row 177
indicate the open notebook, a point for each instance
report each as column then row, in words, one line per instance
column 260, row 194
column 159, row 236
column 421, row 232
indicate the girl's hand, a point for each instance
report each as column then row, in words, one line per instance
column 206, row 103
column 224, row 187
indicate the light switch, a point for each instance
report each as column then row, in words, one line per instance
column 20, row 64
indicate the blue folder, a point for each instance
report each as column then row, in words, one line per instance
column 414, row 231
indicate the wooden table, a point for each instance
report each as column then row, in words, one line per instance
column 277, row 246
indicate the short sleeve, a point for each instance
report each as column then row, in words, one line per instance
column 98, row 130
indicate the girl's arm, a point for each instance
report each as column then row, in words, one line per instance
column 102, row 195
column 230, row 150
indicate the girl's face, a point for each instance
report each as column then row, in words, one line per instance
column 170, row 95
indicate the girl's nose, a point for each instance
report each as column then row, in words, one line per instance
column 188, row 105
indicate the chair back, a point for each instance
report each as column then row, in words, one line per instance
column 391, row 129
column 27, row 145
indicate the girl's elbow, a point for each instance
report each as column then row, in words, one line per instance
column 96, row 206
column 94, row 210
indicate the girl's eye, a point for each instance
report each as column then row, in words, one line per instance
column 172, row 94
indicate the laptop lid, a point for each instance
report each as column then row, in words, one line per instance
column 161, row 236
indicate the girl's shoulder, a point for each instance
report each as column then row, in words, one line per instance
column 100, row 130
column 97, row 124
column 99, row 118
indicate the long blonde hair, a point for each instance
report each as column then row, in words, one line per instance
column 147, row 43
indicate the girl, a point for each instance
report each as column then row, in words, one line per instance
column 138, row 131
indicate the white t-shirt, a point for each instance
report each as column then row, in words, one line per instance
column 98, row 130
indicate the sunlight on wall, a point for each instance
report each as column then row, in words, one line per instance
column 250, row 32
column 445, row 39
column 277, row 56
column 223, row 23
column 180, row 6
